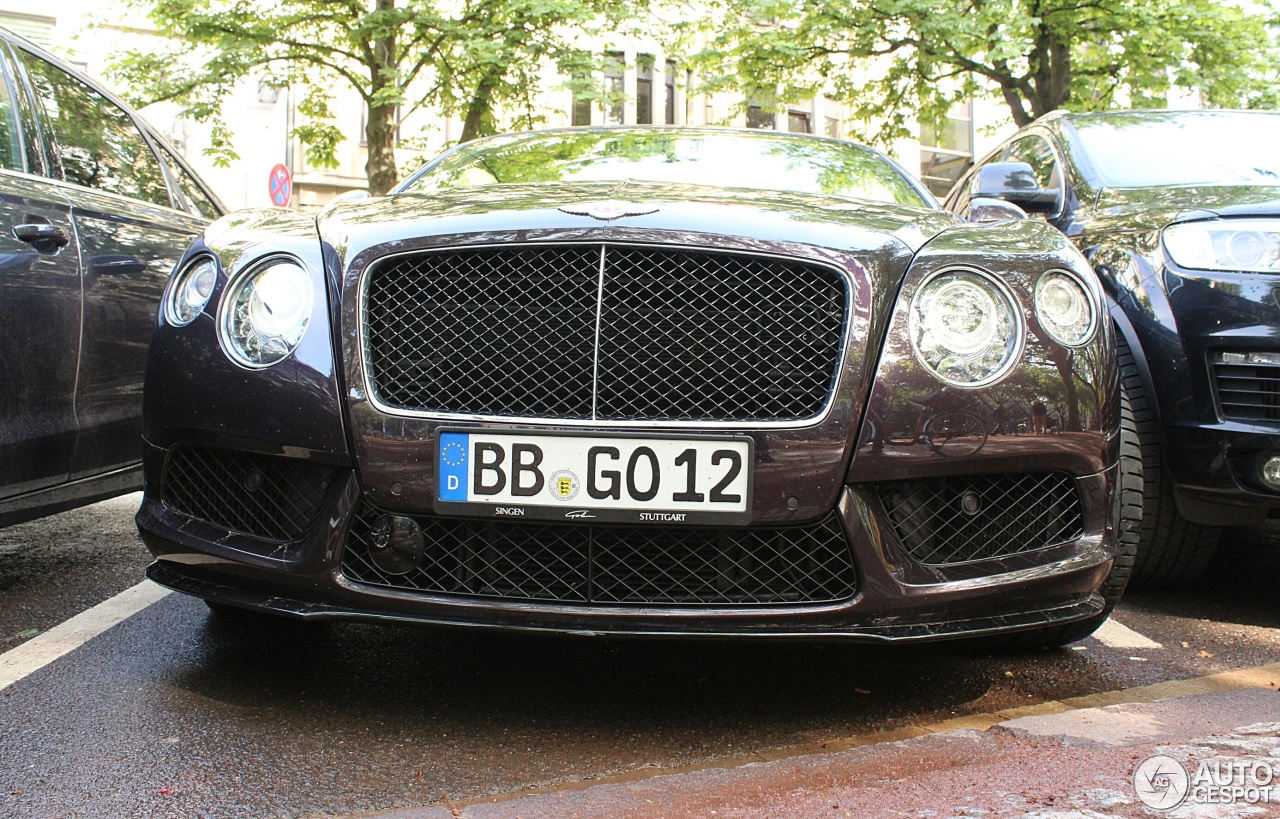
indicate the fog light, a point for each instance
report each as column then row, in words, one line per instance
column 396, row 544
column 1271, row 472
column 253, row 480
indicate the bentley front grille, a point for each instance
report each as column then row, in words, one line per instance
column 614, row 565
column 1248, row 386
column 603, row 332
column 952, row 520
column 264, row 496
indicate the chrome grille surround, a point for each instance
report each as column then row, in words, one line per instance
column 573, row 358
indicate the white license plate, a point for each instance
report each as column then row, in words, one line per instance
column 619, row 478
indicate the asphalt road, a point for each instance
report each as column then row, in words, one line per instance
column 176, row 712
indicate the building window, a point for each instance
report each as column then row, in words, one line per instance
column 947, row 152
column 798, row 122
column 833, row 127
column 35, row 27
column 670, row 107
column 581, row 113
column 644, row 89
column 760, row 113
column 614, row 61
column 268, row 94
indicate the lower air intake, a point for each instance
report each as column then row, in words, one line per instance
column 264, row 496
column 608, row 565
column 952, row 520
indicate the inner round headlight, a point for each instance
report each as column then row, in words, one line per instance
column 965, row 327
column 1064, row 308
column 1246, row 248
column 190, row 291
column 265, row 312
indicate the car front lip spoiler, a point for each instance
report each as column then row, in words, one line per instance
column 880, row 633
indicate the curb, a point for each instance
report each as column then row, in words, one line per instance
column 955, row 741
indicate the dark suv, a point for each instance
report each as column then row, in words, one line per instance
column 95, row 210
column 1179, row 213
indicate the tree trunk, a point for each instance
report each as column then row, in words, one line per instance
column 380, row 130
column 1051, row 77
column 1013, row 99
column 380, row 136
column 479, row 119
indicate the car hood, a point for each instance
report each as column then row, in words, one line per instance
column 1155, row 208
column 828, row 221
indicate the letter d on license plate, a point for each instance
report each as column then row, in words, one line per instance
column 620, row 478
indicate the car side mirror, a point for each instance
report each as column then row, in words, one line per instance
column 1014, row 182
column 984, row 211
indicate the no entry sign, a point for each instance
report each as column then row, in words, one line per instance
column 281, row 186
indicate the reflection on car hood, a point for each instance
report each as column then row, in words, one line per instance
column 1157, row 207
column 829, row 221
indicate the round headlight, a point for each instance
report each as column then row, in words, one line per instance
column 965, row 327
column 190, row 291
column 265, row 312
column 1246, row 248
column 1064, row 308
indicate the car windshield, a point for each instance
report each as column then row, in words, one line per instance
column 762, row 161
column 1182, row 148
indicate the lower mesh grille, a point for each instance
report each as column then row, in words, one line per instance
column 962, row 519
column 265, row 496
column 1248, row 385
column 617, row 565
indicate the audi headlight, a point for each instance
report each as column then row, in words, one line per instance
column 965, row 327
column 265, row 312
column 1065, row 308
column 190, row 291
column 1249, row 245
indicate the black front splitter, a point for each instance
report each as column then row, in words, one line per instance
column 880, row 633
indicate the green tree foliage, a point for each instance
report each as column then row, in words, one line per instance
column 903, row 60
column 471, row 58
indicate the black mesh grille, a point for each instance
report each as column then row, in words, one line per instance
column 682, row 334
column 963, row 519
column 616, row 565
column 264, row 496
column 491, row 332
column 1248, row 386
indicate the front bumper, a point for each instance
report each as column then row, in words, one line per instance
column 1218, row 422
column 896, row 598
column 317, row 408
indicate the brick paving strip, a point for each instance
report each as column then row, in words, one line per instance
column 1067, row 759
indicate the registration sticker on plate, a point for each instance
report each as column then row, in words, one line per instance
column 619, row 478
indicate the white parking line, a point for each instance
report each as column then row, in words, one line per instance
column 43, row 649
column 1115, row 635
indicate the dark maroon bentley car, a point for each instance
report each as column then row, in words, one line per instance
column 664, row 381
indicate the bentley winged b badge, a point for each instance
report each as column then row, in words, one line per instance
column 610, row 210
